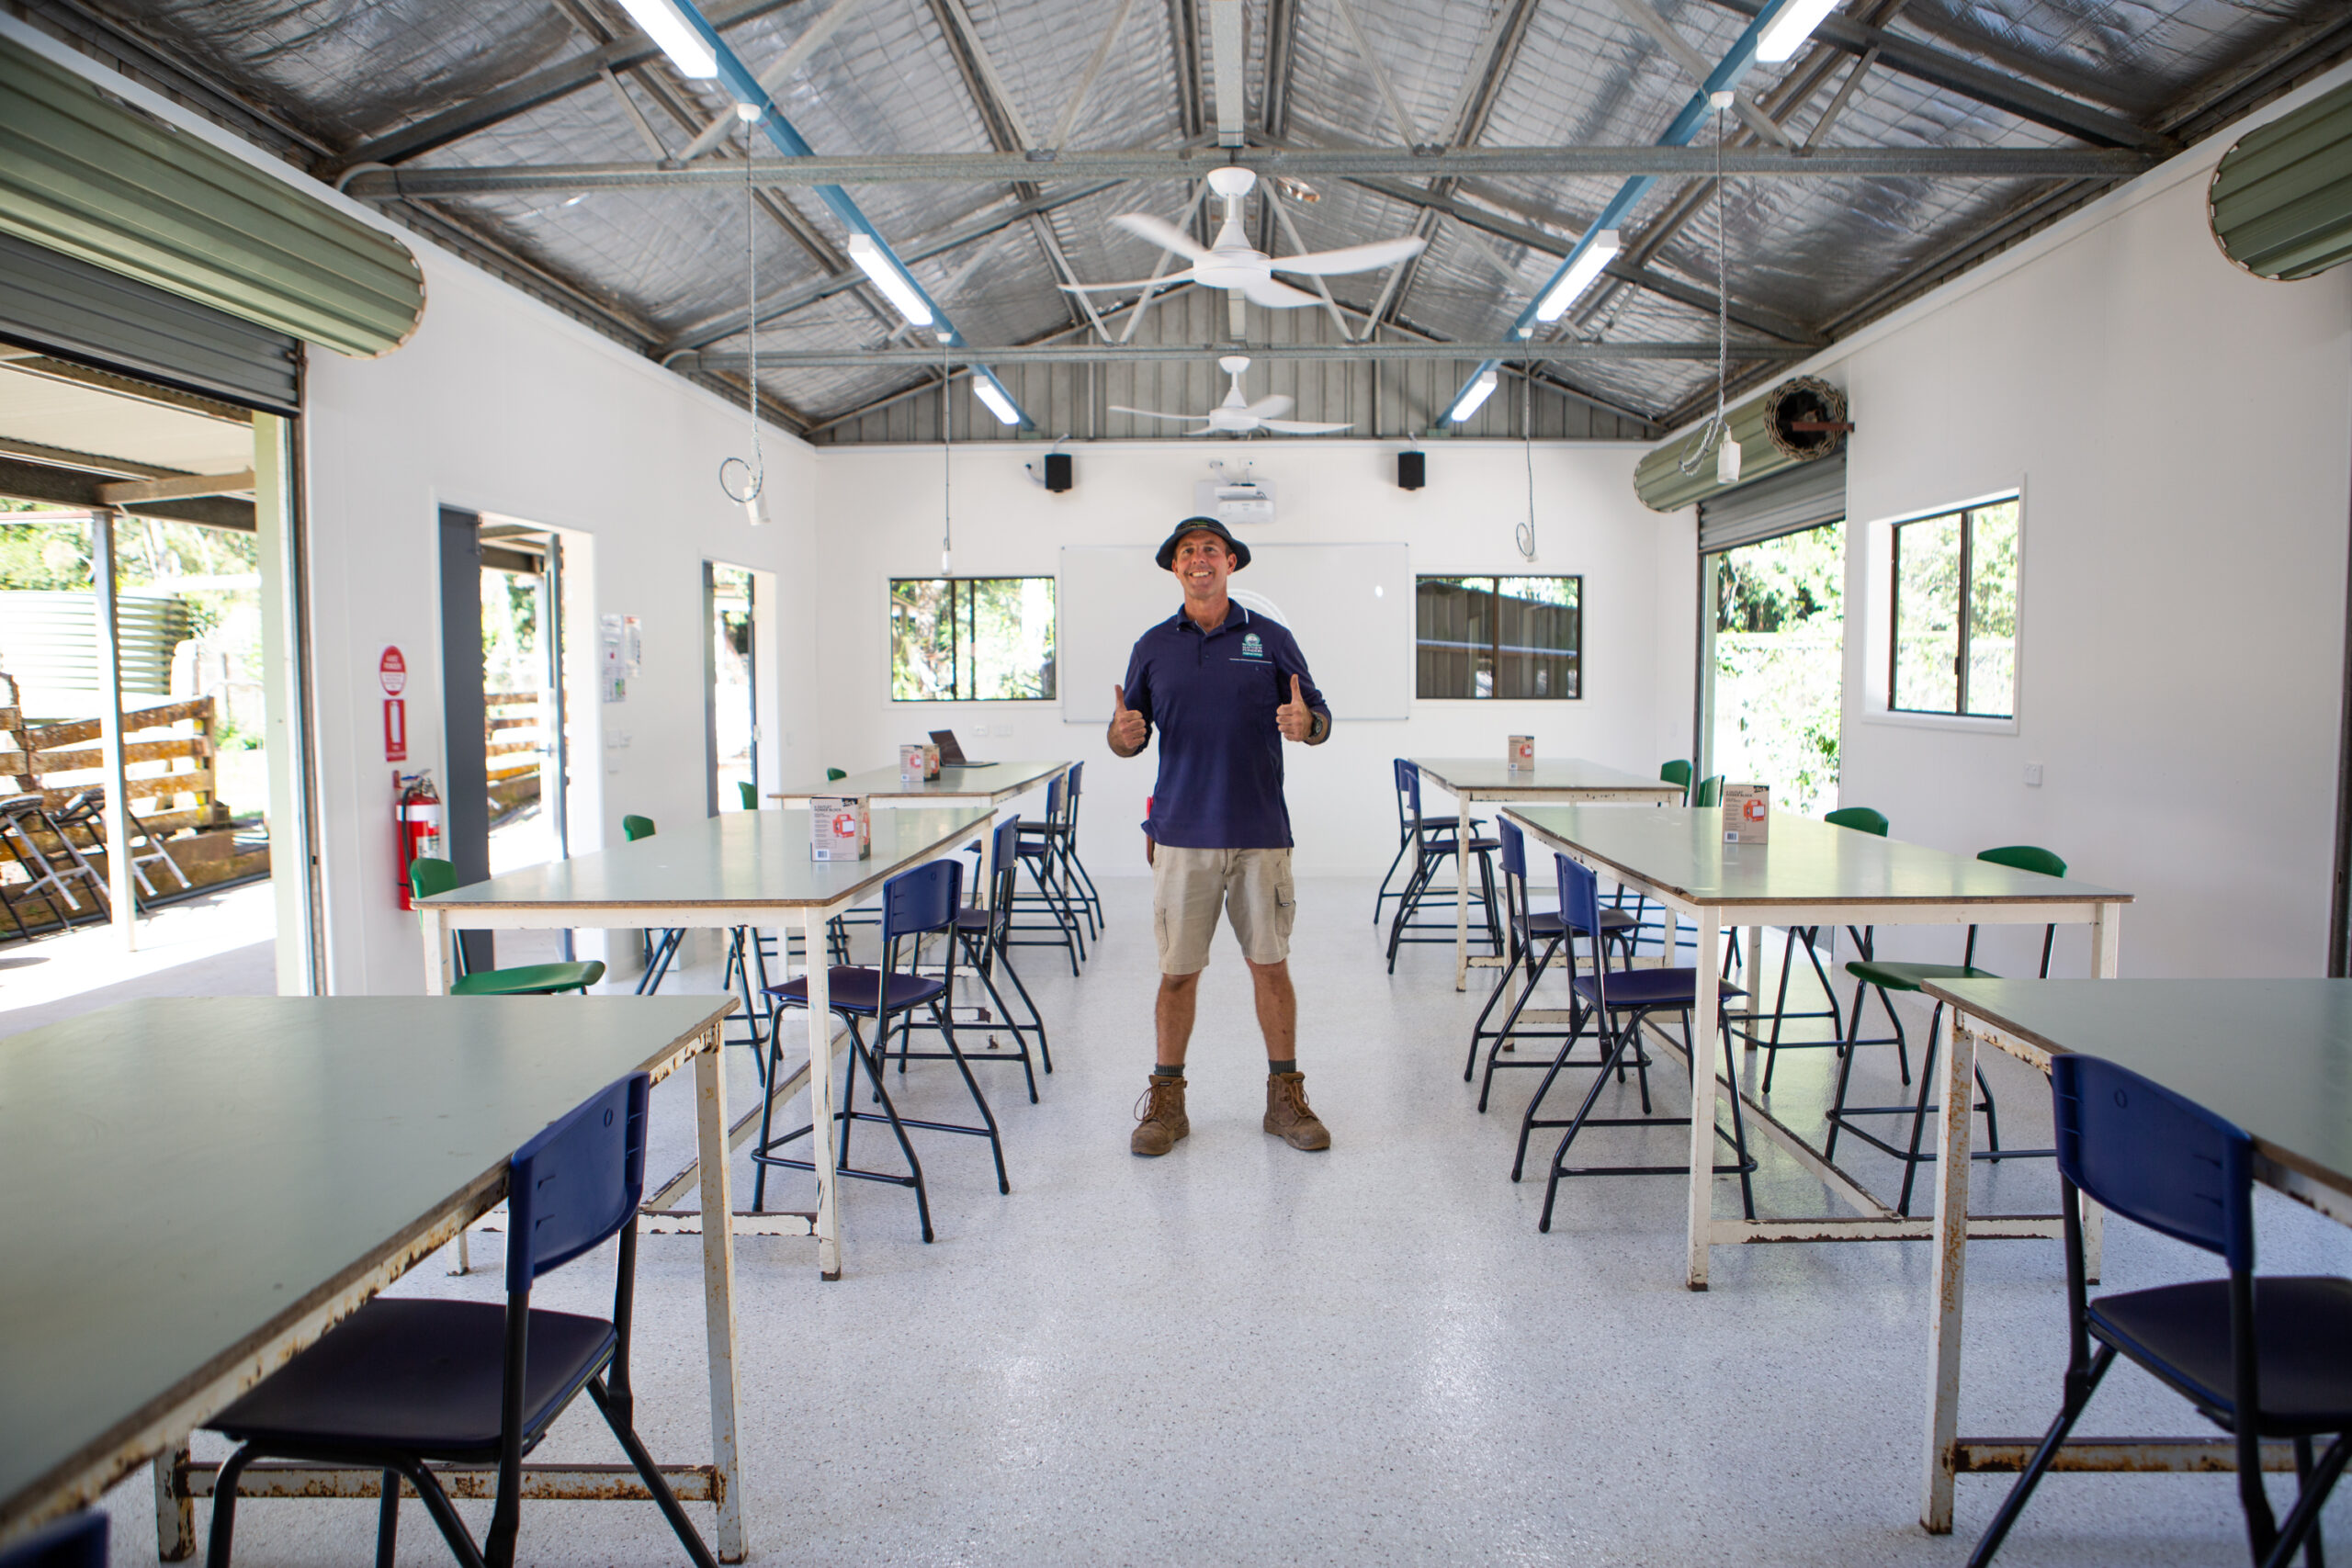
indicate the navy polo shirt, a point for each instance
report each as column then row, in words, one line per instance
column 1212, row 696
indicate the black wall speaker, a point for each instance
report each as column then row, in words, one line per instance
column 1057, row 471
column 1412, row 470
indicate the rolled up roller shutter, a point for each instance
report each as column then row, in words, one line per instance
column 1768, row 442
column 87, row 175
column 2280, row 203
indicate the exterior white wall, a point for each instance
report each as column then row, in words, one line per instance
column 2179, row 432
column 880, row 509
column 501, row 405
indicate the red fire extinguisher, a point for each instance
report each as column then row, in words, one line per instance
column 417, row 819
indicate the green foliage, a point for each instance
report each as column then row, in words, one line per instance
column 46, row 556
column 1779, row 644
column 972, row 639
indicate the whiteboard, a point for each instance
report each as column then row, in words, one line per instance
column 1350, row 607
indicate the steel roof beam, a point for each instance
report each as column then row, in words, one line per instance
column 1081, row 352
column 1950, row 71
column 527, row 93
column 1187, row 164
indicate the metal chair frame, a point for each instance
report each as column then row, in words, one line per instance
column 1405, row 834
column 86, row 811
column 43, row 878
column 1522, row 922
column 1432, row 845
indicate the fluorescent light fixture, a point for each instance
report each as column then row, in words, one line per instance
column 1786, row 33
column 1598, row 252
column 1477, row 392
column 875, row 263
column 661, row 21
column 988, row 391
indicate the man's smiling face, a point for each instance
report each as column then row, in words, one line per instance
column 1202, row 565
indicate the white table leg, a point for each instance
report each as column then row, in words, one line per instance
column 821, row 1091
column 1954, row 1127
column 436, row 952
column 1704, row 1025
column 174, row 1514
column 1462, row 805
column 2107, row 960
column 1754, row 970
column 719, row 1292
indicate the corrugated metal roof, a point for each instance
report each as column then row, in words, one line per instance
column 897, row 77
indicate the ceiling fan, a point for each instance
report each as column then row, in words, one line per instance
column 1231, row 262
column 1234, row 417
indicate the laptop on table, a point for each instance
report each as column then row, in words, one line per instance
column 951, row 755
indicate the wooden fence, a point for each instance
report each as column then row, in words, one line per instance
column 167, row 752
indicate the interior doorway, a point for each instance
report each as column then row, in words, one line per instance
column 731, row 687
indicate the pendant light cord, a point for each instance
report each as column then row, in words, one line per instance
column 1713, row 433
column 946, row 479
column 1524, row 535
column 755, row 472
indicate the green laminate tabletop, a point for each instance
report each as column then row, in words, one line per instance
column 1493, row 778
column 188, row 1177
column 1682, row 852
column 755, row 858
column 2275, row 1057
column 998, row 781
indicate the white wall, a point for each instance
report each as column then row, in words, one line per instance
column 500, row 405
column 880, row 512
column 2182, row 434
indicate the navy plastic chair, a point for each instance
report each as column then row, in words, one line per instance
column 1433, row 844
column 1623, row 1000
column 403, row 1383
column 1397, row 771
column 1042, row 858
column 2267, row 1357
column 77, row 1540
column 1060, row 834
column 981, row 933
column 1534, row 939
column 915, row 904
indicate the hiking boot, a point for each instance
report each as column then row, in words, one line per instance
column 1163, row 1121
column 1287, row 1115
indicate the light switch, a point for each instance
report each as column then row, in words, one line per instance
column 2033, row 775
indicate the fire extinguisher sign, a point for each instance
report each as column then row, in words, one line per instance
column 391, row 670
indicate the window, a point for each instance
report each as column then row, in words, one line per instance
column 1955, row 614
column 971, row 640
column 1499, row 636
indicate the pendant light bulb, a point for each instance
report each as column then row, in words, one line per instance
column 1728, row 461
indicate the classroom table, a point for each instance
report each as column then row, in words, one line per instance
column 742, row 868
column 1568, row 781
column 996, row 783
column 2274, row 1056
column 199, row 1186
column 1808, row 874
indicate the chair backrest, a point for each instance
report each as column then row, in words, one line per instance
column 2025, row 857
column 1004, row 851
column 1678, row 772
column 577, row 1183
column 1409, row 791
column 1709, row 793
column 1077, row 777
column 923, row 899
column 1514, row 848
column 636, row 828
column 427, row 877
column 750, row 794
column 2155, row 1157
column 835, row 775
column 1579, row 894
column 77, row 1540
column 1861, row 819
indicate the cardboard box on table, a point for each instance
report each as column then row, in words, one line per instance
column 840, row 827
column 1748, row 813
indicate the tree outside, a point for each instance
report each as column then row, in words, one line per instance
column 1780, row 657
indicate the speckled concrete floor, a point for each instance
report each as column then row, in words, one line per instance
column 1243, row 1354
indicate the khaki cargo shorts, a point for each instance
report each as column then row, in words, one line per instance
column 1189, row 887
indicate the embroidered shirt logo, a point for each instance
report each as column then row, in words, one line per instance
column 1251, row 647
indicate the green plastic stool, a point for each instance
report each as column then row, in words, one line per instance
column 427, row 877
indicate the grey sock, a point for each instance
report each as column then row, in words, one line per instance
column 1175, row 1072
column 1287, row 1065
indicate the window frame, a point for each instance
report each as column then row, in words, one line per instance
column 1879, row 627
column 955, row 629
column 1493, row 578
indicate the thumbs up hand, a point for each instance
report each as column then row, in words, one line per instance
column 1294, row 718
column 1129, row 730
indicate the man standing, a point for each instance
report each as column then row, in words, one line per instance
column 1225, row 689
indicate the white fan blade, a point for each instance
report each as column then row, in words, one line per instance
column 1354, row 258
column 1183, row 277
column 1300, row 427
column 1161, row 233
column 1271, row 406
column 1281, row 296
column 1205, row 430
column 1154, row 413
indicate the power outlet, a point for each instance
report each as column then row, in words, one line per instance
column 2033, row 775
